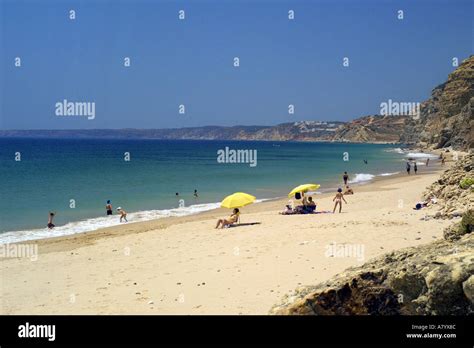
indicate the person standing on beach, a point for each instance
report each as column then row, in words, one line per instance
column 415, row 168
column 427, row 161
column 108, row 208
column 123, row 214
column 408, row 168
column 443, row 159
column 345, row 177
column 50, row 220
column 338, row 198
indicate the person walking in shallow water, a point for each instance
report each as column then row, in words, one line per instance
column 123, row 214
column 408, row 168
column 345, row 177
column 108, row 208
column 50, row 220
column 415, row 168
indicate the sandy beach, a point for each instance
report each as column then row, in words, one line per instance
column 185, row 266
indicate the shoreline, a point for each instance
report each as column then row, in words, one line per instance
column 75, row 228
column 434, row 168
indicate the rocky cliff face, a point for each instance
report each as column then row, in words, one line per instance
column 447, row 118
column 432, row 279
column 372, row 129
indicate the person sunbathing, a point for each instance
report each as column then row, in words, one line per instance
column 427, row 203
column 348, row 191
column 310, row 205
column 421, row 204
column 227, row 222
column 288, row 211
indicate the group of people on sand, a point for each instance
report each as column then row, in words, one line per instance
column 308, row 205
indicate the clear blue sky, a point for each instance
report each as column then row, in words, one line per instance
column 191, row 62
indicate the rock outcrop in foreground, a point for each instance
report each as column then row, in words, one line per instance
column 432, row 279
column 453, row 195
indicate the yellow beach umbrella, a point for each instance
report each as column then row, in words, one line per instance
column 303, row 188
column 237, row 200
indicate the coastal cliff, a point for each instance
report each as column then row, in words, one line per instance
column 447, row 118
column 432, row 279
column 372, row 129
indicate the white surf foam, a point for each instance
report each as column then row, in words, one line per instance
column 361, row 178
column 101, row 222
column 389, row 174
column 420, row 155
column 411, row 154
column 396, row 150
column 106, row 221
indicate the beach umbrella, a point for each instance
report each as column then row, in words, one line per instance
column 303, row 188
column 237, row 200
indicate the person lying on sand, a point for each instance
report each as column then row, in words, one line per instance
column 421, row 204
column 123, row 214
column 427, row 203
column 348, row 191
column 227, row 222
column 338, row 198
column 288, row 211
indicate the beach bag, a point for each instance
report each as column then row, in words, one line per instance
column 297, row 195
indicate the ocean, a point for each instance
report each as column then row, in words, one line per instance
column 75, row 177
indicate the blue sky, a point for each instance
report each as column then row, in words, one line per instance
column 190, row 62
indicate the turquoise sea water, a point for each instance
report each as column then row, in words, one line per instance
column 52, row 172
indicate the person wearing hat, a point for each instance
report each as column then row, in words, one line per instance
column 123, row 214
column 108, row 208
